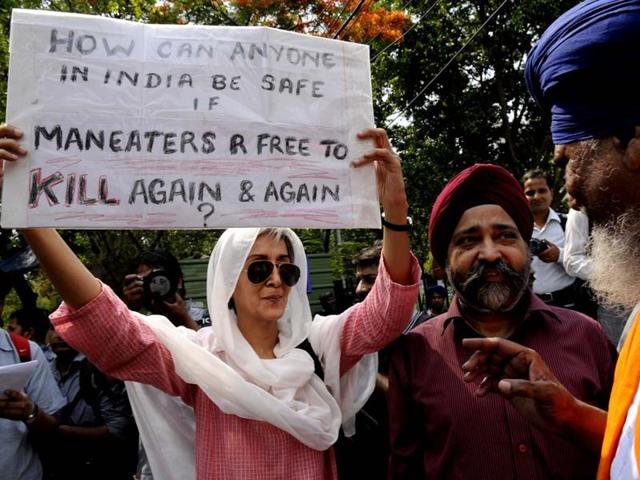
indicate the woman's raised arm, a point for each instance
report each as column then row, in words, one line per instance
column 395, row 245
column 71, row 278
column 76, row 284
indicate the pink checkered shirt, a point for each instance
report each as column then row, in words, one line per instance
column 227, row 446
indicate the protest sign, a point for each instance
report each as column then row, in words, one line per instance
column 163, row 126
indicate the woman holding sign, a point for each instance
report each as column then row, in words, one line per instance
column 260, row 410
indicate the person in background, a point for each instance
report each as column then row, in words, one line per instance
column 161, row 265
column 32, row 323
column 328, row 303
column 26, row 417
column 365, row 455
column 96, row 437
column 173, row 304
column 436, row 300
column 551, row 282
column 366, row 263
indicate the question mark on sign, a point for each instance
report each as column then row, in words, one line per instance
column 206, row 215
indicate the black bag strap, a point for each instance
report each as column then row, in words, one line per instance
column 317, row 366
column 64, row 414
column 563, row 220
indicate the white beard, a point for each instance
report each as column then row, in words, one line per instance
column 616, row 261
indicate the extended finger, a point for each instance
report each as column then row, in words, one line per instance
column 9, row 131
column 498, row 346
column 131, row 278
column 510, row 388
column 11, row 149
column 13, row 395
column 485, row 370
column 474, row 364
column 487, row 385
column 489, row 361
column 14, row 414
column 378, row 135
column 381, row 155
column 538, row 370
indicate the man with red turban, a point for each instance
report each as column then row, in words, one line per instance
column 480, row 229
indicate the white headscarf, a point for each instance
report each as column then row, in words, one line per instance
column 283, row 391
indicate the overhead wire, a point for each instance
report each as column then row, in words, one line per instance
column 346, row 23
column 329, row 26
column 455, row 55
column 338, row 17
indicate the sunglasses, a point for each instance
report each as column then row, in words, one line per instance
column 261, row 270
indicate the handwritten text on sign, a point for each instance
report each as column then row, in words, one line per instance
column 163, row 126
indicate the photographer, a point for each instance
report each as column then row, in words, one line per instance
column 158, row 287
column 552, row 283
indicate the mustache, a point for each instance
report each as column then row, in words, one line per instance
column 478, row 270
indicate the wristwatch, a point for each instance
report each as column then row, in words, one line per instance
column 398, row 228
column 33, row 415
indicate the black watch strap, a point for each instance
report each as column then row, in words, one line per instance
column 398, row 228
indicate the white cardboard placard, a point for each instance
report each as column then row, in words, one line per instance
column 131, row 125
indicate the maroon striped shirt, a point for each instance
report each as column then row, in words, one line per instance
column 440, row 430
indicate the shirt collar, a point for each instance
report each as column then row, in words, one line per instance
column 75, row 364
column 537, row 308
column 5, row 341
column 551, row 217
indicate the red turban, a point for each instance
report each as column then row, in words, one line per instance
column 481, row 184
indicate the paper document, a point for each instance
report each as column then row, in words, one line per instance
column 15, row 377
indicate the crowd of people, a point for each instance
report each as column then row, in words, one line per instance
column 509, row 371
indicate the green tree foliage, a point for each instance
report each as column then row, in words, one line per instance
column 478, row 109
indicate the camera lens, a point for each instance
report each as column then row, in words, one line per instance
column 537, row 246
column 158, row 284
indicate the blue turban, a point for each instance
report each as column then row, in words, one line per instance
column 586, row 70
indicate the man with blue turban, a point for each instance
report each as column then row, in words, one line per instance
column 585, row 70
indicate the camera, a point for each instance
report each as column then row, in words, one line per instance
column 537, row 246
column 158, row 285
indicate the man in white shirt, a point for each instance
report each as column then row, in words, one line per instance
column 552, row 284
column 577, row 261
